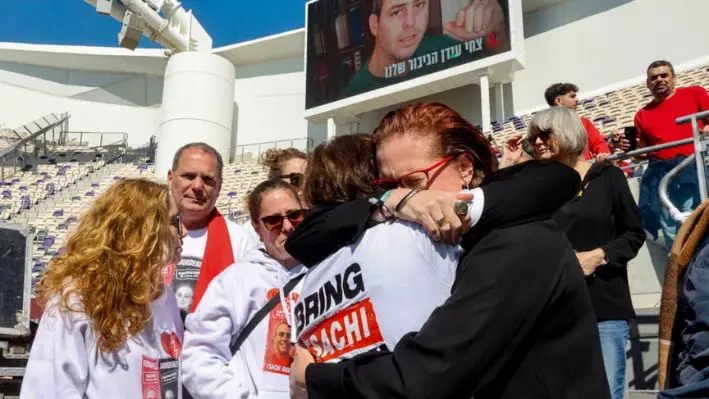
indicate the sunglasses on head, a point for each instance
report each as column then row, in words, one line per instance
column 294, row 178
column 176, row 222
column 274, row 223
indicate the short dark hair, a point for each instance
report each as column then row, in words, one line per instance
column 204, row 147
column 254, row 199
column 558, row 89
column 376, row 7
column 660, row 63
column 341, row 170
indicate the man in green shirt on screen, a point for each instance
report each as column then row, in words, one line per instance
column 399, row 28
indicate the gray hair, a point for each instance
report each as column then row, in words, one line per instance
column 205, row 148
column 566, row 126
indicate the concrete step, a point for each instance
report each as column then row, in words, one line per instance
column 642, row 395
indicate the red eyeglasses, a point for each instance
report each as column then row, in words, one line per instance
column 414, row 179
column 274, row 223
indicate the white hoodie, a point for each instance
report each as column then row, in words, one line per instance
column 369, row 294
column 66, row 363
column 231, row 300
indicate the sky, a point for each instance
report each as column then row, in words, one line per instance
column 75, row 22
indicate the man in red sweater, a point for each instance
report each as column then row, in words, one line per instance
column 656, row 125
column 564, row 95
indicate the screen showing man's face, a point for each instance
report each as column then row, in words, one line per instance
column 400, row 27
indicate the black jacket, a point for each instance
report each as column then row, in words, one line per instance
column 544, row 186
column 605, row 216
column 518, row 323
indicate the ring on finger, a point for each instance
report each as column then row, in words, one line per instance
column 441, row 222
column 460, row 208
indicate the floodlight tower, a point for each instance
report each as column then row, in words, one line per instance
column 198, row 89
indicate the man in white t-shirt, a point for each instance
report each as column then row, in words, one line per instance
column 195, row 180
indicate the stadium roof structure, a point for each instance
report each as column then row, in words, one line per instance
column 147, row 61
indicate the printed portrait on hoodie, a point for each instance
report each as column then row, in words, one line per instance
column 279, row 350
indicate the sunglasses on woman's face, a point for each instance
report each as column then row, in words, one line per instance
column 294, row 178
column 176, row 222
column 274, row 223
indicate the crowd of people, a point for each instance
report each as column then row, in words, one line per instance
column 410, row 262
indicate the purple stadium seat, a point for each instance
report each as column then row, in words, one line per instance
column 50, row 188
column 58, row 213
column 231, row 194
column 116, row 178
column 94, row 184
column 62, row 226
column 237, row 170
column 76, row 198
column 7, row 194
column 38, row 267
column 26, row 203
column 71, row 219
column 89, row 194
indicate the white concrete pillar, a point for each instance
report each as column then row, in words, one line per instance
column 331, row 128
column 197, row 106
column 485, row 103
column 499, row 103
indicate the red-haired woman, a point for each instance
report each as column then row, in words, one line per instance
column 518, row 322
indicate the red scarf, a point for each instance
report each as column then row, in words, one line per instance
column 217, row 255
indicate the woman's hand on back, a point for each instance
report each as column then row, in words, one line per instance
column 431, row 206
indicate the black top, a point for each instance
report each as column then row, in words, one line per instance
column 605, row 216
column 518, row 323
column 514, row 197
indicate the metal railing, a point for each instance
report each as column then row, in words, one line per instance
column 34, row 130
column 104, row 139
column 698, row 158
column 241, row 150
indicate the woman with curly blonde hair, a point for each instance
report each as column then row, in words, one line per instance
column 286, row 164
column 110, row 330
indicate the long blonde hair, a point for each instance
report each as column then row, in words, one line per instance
column 114, row 260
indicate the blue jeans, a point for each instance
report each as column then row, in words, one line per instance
column 614, row 336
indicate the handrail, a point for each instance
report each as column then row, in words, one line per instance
column 698, row 150
column 14, row 146
column 271, row 144
column 645, row 150
column 699, row 115
column 675, row 213
column 123, row 137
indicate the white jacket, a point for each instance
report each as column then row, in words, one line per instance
column 371, row 293
column 231, row 300
column 65, row 362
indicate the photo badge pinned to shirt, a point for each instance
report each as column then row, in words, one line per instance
column 160, row 377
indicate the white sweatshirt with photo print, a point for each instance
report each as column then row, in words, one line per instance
column 208, row 368
column 66, row 363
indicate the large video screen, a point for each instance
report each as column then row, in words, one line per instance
column 355, row 46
